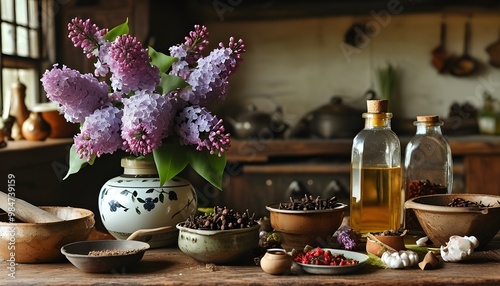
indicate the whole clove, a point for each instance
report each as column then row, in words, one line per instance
column 221, row 219
column 460, row 202
column 310, row 203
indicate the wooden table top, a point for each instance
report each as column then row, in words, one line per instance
column 169, row 266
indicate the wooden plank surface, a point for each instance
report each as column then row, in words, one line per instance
column 169, row 266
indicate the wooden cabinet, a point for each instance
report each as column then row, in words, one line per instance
column 482, row 174
column 257, row 173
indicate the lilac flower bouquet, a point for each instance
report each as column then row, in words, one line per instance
column 145, row 102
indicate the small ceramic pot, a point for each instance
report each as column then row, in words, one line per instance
column 276, row 261
column 395, row 241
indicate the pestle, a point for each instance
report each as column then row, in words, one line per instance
column 25, row 211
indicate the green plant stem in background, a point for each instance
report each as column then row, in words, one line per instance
column 387, row 81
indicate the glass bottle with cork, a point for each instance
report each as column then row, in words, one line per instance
column 376, row 173
column 428, row 164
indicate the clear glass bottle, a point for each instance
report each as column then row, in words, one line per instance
column 376, row 173
column 428, row 164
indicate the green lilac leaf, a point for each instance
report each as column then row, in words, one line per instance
column 162, row 61
column 170, row 158
column 209, row 166
column 76, row 163
column 169, row 83
column 117, row 31
column 162, row 197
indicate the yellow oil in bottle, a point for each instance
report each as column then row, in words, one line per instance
column 376, row 199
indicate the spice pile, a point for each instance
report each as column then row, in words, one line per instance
column 112, row 252
column 319, row 256
column 221, row 219
column 310, row 203
column 460, row 202
column 418, row 188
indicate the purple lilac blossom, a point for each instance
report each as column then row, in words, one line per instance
column 180, row 67
column 197, row 126
column 146, row 117
column 130, row 67
column 86, row 35
column 195, row 43
column 78, row 95
column 209, row 80
column 100, row 133
column 347, row 238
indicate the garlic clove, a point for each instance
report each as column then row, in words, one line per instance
column 458, row 248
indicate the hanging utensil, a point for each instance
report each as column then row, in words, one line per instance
column 493, row 51
column 439, row 54
column 465, row 65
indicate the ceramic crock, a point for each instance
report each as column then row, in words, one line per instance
column 135, row 200
column 276, row 261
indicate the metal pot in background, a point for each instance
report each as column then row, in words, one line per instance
column 332, row 120
column 253, row 123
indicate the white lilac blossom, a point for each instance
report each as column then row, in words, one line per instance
column 135, row 93
column 100, row 133
column 78, row 95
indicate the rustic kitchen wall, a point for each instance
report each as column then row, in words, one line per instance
column 301, row 63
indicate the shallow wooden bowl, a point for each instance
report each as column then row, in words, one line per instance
column 41, row 242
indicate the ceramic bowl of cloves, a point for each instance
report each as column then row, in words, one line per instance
column 444, row 215
column 306, row 221
column 222, row 236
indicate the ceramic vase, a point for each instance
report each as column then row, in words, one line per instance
column 136, row 201
column 35, row 128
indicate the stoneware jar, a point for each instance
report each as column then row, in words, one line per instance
column 135, row 200
column 276, row 261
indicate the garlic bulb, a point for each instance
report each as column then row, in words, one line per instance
column 458, row 248
column 399, row 259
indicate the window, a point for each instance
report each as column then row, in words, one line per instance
column 27, row 47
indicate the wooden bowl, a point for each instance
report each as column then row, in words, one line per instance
column 41, row 242
column 299, row 228
column 440, row 221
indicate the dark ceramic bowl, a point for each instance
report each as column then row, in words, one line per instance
column 440, row 221
column 78, row 254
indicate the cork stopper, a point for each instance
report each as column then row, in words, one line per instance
column 377, row 105
column 428, row 118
